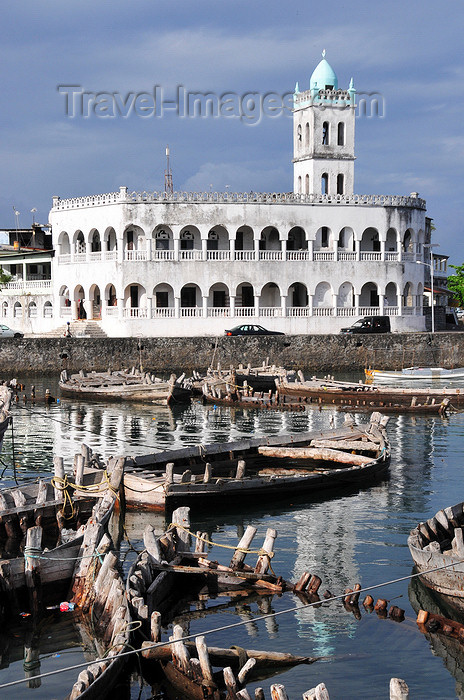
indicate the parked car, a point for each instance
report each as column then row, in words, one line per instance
column 460, row 313
column 251, row 329
column 370, row 324
column 6, row 332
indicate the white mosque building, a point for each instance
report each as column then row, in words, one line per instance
column 193, row 264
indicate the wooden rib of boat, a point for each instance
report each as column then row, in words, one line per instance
column 125, row 385
column 415, row 373
column 438, row 543
column 328, row 391
column 44, row 525
column 107, row 626
column 348, row 456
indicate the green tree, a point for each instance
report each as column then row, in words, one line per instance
column 4, row 277
column 456, row 284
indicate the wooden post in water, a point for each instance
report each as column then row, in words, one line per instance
column 244, row 544
column 79, row 475
column 32, row 567
column 398, row 689
column 181, row 516
column 264, row 560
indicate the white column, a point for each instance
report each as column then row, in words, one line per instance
column 176, row 250
column 381, row 303
column 149, row 245
column 88, row 306
column 257, row 305
column 356, row 304
column 382, row 250
column 310, row 304
column 310, row 249
column 205, row 307
column 283, row 245
column 149, row 306
column 232, row 250
column 283, row 303
column 232, row 306
column 256, row 248
column 357, row 248
column 120, row 255
column 204, row 251
column 74, row 310
column 334, row 303
column 120, row 308
column 335, row 249
column 176, row 307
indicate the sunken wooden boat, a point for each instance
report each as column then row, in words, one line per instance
column 272, row 467
column 43, row 527
column 125, row 385
column 437, row 549
column 352, row 395
column 104, row 624
column 169, row 576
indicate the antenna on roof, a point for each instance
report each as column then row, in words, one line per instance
column 168, row 187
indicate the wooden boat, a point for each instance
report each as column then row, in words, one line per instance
column 125, row 385
column 5, row 415
column 415, row 373
column 275, row 466
column 350, row 394
column 436, row 544
column 43, row 527
column 105, row 625
column 167, row 571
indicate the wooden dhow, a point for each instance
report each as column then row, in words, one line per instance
column 125, row 385
column 44, row 525
column 437, row 549
column 269, row 468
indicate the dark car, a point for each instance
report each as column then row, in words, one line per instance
column 370, row 324
column 251, row 329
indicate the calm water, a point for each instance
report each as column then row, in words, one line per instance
column 352, row 537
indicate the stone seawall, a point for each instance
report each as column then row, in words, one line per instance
column 317, row 353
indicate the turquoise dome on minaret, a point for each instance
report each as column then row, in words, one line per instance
column 323, row 76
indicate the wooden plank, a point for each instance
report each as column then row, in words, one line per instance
column 311, row 453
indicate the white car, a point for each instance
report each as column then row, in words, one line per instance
column 460, row 313
column 6, row 332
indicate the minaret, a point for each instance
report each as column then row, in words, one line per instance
column 323, row 135
column 168, row 186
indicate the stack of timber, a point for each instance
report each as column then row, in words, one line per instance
column 125, row 385
column 367, row 396
column 104, row 623
column 439, row 544
column 168, row 571
column 44, row 525
column 269, row 467
column 5, row 415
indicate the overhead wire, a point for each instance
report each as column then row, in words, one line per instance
column 223, row 628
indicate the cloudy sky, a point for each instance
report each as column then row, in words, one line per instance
column 408, row 52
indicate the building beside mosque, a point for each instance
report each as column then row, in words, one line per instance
column 308, row 261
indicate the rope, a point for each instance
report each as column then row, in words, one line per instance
column 223, row 628
column 63, row 484
column 261, row 552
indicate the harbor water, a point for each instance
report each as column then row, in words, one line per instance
column 344, row 537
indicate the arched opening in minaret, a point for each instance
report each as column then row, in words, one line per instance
column 307, row 184
column 307, row 135
column 299, row 184
column 325, row 183
column 341, row 134
column 325, row 134
column 340, row 183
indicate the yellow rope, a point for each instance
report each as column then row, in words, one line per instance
column 261, row 552
column 64, row 484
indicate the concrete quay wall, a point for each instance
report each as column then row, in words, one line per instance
column 315, row 354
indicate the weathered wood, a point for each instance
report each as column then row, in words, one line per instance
column 241, row 468
column 242, row 547
column 264, row 560
column 311, row 453
column 32, row 567
column 86, row 453
column 42, row 492
column 203, row 656
column 155, row 626
column 180, row 655
column 259, row 694
column 231, row 657
column 230, row 683
column 302, row 581
column 278, row 692
column 362, row 445
column 151, row 543
column 458, row 542
column 181, row 517
column 320, row 692
column 245, row 670
column 398, row 689
column 208, row 473
column 7, row 520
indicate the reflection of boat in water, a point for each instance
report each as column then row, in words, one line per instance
column 412, row 373
column 449, row 649
column 438, row 544
column 5, row 416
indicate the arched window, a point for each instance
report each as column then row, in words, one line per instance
column 307, row 184
column 307, row 135
column 324, row 237
column 340, row 183
column 298, row 133
column 341, row 134
column 325, row 183
column 299, row 184
column 325, row 134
